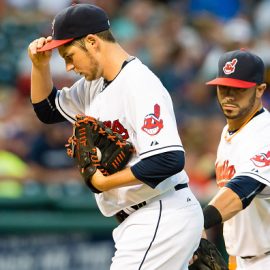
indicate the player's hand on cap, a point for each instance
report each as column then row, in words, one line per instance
column 39, row 58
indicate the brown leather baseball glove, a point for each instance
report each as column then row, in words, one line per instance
column 94, row 145
column 208, row 257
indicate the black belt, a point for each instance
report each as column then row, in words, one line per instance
column 250, row 257
column 122, row 215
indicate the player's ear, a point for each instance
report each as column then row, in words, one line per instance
column 93, row 43
column 91, row 39
column 260, row 90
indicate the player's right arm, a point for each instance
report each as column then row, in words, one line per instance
column 42, row 91
column 235, row 196
column 41, row 79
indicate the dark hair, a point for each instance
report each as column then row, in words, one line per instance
column 106, row 35
column 79, row 42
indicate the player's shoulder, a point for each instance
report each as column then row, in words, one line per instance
column 141, row 78
column 258, row 130
column 266, row 113
column 137, row 69
column 82, row 89
column 262, row 121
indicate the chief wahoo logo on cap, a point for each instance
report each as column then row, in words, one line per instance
column 229, row 67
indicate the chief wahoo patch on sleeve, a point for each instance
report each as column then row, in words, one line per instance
column 261, row 160
column 152, row 122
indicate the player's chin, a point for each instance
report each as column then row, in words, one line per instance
column 90, row 78
column 87, row 78
column 230, row 114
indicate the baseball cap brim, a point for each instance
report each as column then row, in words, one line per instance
column 54, row 44
column 231, row 82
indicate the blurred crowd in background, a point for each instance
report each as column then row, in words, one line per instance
column 180, row 40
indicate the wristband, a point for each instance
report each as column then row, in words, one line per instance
column 212, row 216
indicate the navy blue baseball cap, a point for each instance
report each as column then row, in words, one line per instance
column 74, row 22
column 240, row 69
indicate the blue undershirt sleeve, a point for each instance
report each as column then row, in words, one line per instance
column 246, row 188
column 155, row 169
column 46, row 110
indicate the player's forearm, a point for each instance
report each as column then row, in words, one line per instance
column 227, row 203
column 41, row 83
column 120, row 179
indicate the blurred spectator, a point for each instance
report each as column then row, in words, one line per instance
column 51, row 7
column 21, row 4
column 13, row 173
column 261, row 16
column 48, row 7
column 48, row 158
column 200, row 137
column 238, row 30
column 227, row 10
column 18, row 124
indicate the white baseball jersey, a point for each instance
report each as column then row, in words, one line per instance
column 136, row 105
column 247, row 154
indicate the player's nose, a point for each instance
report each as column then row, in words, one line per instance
column 69, row 66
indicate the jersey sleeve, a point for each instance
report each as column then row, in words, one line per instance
column 257, row 165
column 150, row 108
column 246, row 188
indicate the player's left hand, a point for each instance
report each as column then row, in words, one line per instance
column 97, row 149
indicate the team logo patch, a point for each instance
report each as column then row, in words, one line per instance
column 229, row 67
column 261, row 160
column 152, row 122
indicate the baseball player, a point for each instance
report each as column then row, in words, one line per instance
column 243, row 161
column 161, row 220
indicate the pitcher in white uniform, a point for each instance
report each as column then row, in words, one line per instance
column 243, row 161
column 161, row 220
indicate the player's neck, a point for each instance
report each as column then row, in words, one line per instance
column 113, row 61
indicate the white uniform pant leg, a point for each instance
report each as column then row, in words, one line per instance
column 161, row 235
column 257, row 263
